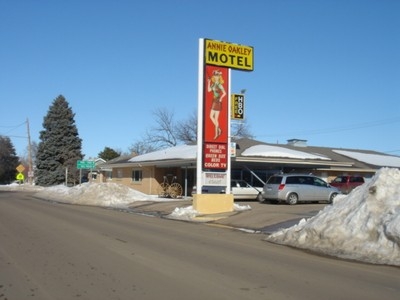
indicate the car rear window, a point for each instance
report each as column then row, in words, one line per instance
column 356, row 179
column 340, row 179
column 275, row 180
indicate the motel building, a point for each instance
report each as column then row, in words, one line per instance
column 251, row 160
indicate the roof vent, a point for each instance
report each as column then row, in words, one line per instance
column 297, row 143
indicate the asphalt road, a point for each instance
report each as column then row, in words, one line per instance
column 57, row 251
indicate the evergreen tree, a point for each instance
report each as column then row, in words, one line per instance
column 60, row 146
column 8, row 160
column 108, row 153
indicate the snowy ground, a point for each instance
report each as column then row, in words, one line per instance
column 106, row 195
column 364, row 225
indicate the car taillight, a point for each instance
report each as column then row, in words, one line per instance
column 281, row 186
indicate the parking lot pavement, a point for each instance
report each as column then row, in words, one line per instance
column 268, row 217
column 263, row 217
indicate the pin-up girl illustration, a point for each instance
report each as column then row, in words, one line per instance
column 215, row 86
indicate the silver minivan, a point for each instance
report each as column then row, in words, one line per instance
column 294, row 188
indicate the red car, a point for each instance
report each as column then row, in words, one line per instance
column 347, row 183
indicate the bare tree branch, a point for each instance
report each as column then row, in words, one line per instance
column 168, row 133
column 186, row 130
column 241, row 129
column 163, row 134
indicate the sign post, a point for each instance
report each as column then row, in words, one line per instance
column 20, row 168
column 20, row 176
column 84, row 164
column 216, row 59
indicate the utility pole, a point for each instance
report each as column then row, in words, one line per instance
column 30, row 168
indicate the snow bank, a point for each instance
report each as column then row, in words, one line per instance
column 96, row 194
column 364, row 225
column 189, row 213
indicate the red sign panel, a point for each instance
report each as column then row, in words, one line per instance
column 215, row 114
column 215, row 156
column 215, row 118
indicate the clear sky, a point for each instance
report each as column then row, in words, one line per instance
column 327, row 71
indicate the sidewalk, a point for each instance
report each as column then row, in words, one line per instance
column 263, row 217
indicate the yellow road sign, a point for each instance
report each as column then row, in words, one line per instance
column 20, row 176
column 20, row 168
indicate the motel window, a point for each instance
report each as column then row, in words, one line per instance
column 137, row 175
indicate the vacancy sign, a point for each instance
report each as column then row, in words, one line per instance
column 228, row 55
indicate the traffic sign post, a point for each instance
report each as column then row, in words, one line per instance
column 20, row 177
column 20, row 168
column 84, row 164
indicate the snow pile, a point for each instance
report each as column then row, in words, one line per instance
column 21, row 187
column 96, row 194
column 107, row 195
column 184, row 213
column 364, row 225
column 189, row 213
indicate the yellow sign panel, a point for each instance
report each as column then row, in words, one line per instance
column 229, row 55
column 20, row 176
column 20, row 168
column 237, row 109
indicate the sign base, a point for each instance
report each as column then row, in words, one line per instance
column 213, row 203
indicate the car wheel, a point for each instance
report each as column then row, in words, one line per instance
column 260, row 198
column 292, row 199
column 332, row 197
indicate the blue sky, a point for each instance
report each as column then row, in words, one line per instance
column 324, row 71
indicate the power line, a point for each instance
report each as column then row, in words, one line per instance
column 16, row 136
column 337, row 129
column 8, row 126
column 12, row 128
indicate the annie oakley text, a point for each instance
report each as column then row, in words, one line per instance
column 229, row 55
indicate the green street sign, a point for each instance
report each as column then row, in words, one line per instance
column 85, row 164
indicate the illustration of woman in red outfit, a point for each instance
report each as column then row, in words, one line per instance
column 215, row 85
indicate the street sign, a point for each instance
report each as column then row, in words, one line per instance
column 20, row 177
column 20, row 168
column 85, row 164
